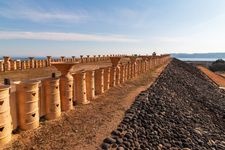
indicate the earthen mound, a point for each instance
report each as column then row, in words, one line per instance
column 183, row 109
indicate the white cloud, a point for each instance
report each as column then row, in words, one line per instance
column 61, row 36
column 38, row 14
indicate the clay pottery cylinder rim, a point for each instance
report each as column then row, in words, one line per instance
column 29, row 82
column 4, row 87
column 51, row 80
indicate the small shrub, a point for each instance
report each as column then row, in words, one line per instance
column 218, row 65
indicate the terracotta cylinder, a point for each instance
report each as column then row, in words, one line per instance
column 118, row 75
column 133, row 70
column 28, row 99
column 88, row 59
column 90, row 84
column 31, row 62
column 7, row 66
column 27, row 64
column 80, row 88
column 137, row 71
column 113, row 77
column 1, row 66
column 42, row 63
column 5, row 116
column 81, row 59
column 36, row 63
column 150, row 63
column 99, row 57
column 52, row 98
column 23, row 63
column 106, row 78
column 125, row 72
column 154, row 62
column 122, row 73
column 129, row 74
column 99, row 81
column 18, row 64
column 13, row 64
column 62, row 58
column 94, row 58
column 49, row 60
column 141, row 67
column 73, row 58
column 66, row 92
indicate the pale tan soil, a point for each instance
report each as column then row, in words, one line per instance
column 87, row 125
column 213, row 76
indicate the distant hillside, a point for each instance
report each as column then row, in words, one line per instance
column 199, row 55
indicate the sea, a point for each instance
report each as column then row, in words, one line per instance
column 200, row 59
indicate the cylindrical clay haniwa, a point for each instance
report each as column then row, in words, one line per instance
column 66, row 92
column 27, row 100
column 99, row 81
column 80, row 88
column 113, row 77
column 52, row 98
column 65, row 84
column 122, row 73
column 106, row 78
column 90, row 84
column 7, row 65
column 5, row 116
column 118, row 75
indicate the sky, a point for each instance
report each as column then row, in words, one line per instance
column 81, row 27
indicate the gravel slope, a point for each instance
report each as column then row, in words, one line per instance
column 183, row 109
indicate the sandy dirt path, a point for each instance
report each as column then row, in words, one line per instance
column 213, row 76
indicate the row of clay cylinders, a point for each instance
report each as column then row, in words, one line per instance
column 87, row 84
column 27, row 64
column 88, row 59
column 27, row 94
column 28, row 98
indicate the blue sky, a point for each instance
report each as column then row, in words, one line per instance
column 74, row 27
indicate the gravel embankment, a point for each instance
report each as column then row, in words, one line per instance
column 183, row 109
